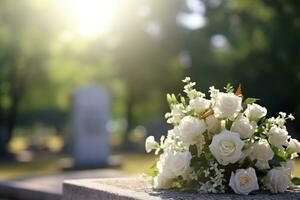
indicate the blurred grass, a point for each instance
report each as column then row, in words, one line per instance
column 137, row 163
column 41, row 166
column 132, row 163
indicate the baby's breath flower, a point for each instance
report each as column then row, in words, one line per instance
column 186, row 80
column 291, row 117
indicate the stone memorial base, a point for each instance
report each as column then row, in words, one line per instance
column 140, row 188
column 47, row 187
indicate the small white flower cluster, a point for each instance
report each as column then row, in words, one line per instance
column 215, row 177
column 223, row 143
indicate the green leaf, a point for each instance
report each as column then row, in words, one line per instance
column 229, row 88
column 194, row 150
column 276, row 161
column 280, row 154
column 182, row 99
column 249, row 101
column 169, row 99
column 153, row 171
column 228, row 124
column 296, row 181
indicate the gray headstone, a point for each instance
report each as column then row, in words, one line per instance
column 91, row 108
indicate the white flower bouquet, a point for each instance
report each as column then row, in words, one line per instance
column 223, row 143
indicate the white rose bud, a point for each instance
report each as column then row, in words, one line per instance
column 174, row 164
column 161, row 182
column 244, row 181
column 278, row 180
column 227, row 104
column 255, row 112
column 262, row 152
column 190, row 128
column 226, row 147
column 293, row 146
column 214, row 125
column 244, row 127
column 199, row 104
column 150, row 144
column 278, row 137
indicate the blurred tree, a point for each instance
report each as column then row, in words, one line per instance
column 148, row 49
column 264, row 38
column 255, row 43
column 25, row 31
column 147, row 56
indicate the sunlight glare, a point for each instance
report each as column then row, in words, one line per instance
column 91, row 16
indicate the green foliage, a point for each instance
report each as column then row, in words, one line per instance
column 194, row 150
column 279, row 157
column 153, row 171
column 281, row 154
column 228, row 124
column 296, row 181
column 182, row 100
column 171, row 99
column 229, row 88
column 262, row 123
column 247, row 162
column 249, row 101
column 179, row 183
column 260, row 51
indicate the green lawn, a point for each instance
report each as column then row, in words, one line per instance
column 132, row 163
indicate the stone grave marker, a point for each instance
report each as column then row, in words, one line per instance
column 91, row 110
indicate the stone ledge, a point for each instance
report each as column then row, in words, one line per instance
column 48, row 187
column 140, row 188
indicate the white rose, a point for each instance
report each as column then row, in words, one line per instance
column 227, row 104
column 226, row 147
column 278, row 180
column 255, row 112
column 150, row 144
column 290, row 166
column 293, row 146
column 262, row 152
column 244, row 181
column 199, row 104
column 161, row 182
column 243, row 126
column 190, row 128
column 278, row 137
column 174, row 164
column 213, row 124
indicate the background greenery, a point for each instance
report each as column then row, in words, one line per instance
column 139, row 59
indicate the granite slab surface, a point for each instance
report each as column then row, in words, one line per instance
column 138, row 188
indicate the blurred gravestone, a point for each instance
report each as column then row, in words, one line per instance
column 158, row 127
column 90, row 136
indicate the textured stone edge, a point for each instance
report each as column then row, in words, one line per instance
column 120, row 189
column 92, row 189
column 9, row 191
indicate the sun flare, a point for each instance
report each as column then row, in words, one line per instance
column 91, row 16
